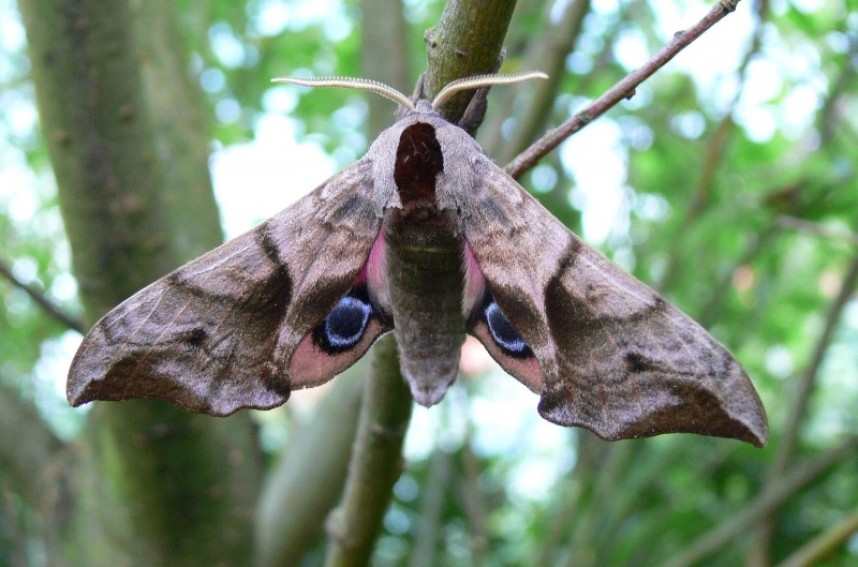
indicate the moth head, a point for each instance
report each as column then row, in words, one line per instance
column 468, row 83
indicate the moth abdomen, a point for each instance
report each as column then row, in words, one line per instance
column 425, row 282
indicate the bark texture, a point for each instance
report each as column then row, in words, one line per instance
column 157, row 486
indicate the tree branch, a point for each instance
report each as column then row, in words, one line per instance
column 823, row 545
column 622, row 90
column 37, row 295
column 473, row 501
column 713, row 155
column 307, row 482
column 759, row 554
column 428, row 530
column 774, row 495
column 157, row 485
column 385, row 409
column 807, row 381
column 31, row 467
column 816, row 229
column 376, row 462
column 549, row 55
column 466, row 42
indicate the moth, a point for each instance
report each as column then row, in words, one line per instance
column 425, row 237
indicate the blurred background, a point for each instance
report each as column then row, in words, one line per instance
column 727, row 182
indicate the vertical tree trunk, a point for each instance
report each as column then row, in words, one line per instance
column 158, row 486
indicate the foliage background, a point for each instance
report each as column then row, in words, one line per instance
column 729, row 184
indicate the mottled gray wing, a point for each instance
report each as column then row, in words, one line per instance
column 614, row 356
column 217, row 334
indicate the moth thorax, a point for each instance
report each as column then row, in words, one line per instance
column 419, row 160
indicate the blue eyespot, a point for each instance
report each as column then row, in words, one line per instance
column 346, row 323
column 503, row 333
column 343, row 328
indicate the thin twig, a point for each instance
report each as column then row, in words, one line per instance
column 713, row 155
column 760, row 552
column 830, row 117
column 549, row 55
column 430, row 526
column 807, row 381
column 40, row 298
column 816, row 229
column 566, row 505
column 719, row 291
column 622, row 90
column 385, row 411
column 602, row 512
column 473, row 502
column 823, row 545
column 774, row 495
column 828, row 122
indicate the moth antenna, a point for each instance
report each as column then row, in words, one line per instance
column 478, row 81
column 350, row 83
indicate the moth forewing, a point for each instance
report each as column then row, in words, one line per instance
column 215, row 335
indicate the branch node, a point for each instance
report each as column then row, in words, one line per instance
column 729, row 5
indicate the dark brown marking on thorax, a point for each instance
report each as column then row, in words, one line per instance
column 418, row 162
